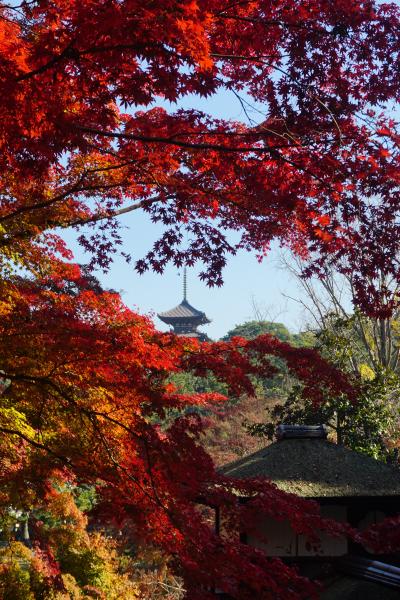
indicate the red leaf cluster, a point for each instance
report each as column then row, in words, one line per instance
column 91, row 379
column 318, row 169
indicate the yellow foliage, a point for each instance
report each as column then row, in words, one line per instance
column 366, row 373
column 12, row 419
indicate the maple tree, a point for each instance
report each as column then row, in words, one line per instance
column 73, row 414
column 84, row 140
column 82, row 564
column 308, row 173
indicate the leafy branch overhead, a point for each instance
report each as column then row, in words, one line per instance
column 316, row 170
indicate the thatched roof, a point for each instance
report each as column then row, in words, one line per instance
column 316, row 468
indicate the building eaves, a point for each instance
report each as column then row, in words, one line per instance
column 183, row 311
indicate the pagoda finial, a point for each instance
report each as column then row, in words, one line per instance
column 184, row 284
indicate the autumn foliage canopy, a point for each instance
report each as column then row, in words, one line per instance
column 85, row 136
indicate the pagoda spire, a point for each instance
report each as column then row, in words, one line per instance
column 185, row 283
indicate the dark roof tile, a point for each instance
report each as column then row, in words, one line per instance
column 184, row 310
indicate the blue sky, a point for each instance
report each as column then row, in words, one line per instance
column 245, row 280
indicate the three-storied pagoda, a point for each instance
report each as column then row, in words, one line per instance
column 184, row 318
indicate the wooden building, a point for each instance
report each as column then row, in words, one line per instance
column 349, row 487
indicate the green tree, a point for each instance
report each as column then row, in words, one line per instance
column 252, row 329
column 281, row 384
column 370, row 425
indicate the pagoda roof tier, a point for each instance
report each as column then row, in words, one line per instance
column 317, row 468
column 184, row 312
